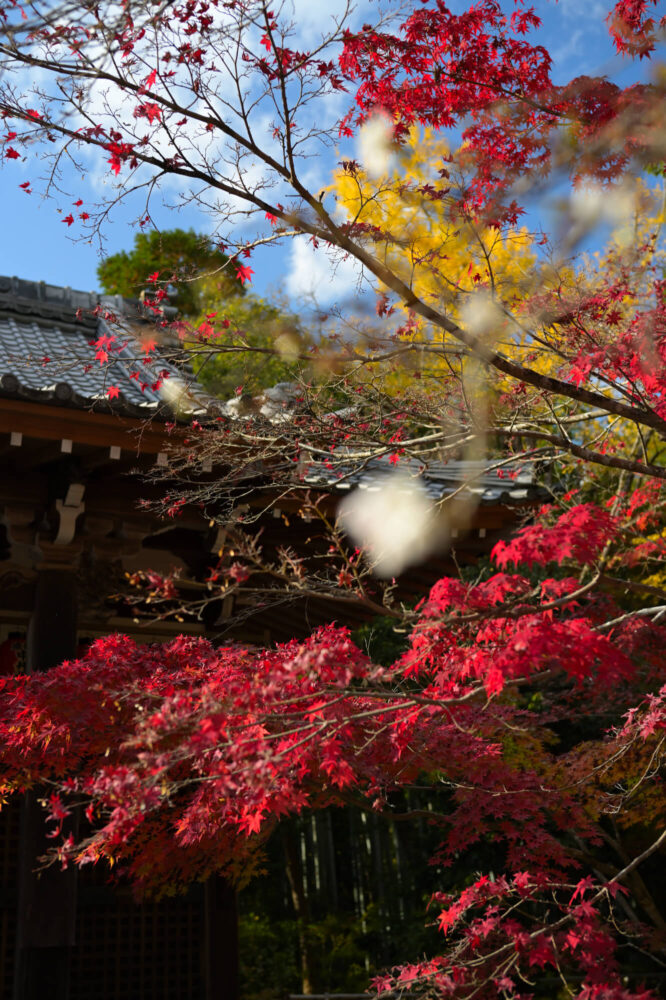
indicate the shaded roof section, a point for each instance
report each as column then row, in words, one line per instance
column 494, row 481
column 47, row 352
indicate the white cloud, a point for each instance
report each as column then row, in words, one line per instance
column 318, row 274
column 591, row 10
column 311, row 20
column 573, row 46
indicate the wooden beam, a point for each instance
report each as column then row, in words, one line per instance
column 35, row 454
column 57, row 423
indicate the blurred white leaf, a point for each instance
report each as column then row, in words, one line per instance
column 394, row 520
column 591, row 204
column 481, row 315
column 375, row 145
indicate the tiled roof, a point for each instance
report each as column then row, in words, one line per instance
column 46, row 353
column 492, row 482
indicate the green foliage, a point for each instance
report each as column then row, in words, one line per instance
column 181, row 257
column 259, row 348
column 365, row 909
column 270, row 964
column 341, row 941
column 257, row 343
column 382, row 640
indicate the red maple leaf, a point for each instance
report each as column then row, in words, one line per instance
column 244, row 273
column 149, row 110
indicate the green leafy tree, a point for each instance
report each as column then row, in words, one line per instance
column 259, row 340
column 181, row 258
column 258, row 348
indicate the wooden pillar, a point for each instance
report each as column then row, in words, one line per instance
column 47, row 898
column 221, row 940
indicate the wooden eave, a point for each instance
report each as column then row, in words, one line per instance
column 57, row 423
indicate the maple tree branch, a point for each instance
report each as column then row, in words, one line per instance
column 587, row 454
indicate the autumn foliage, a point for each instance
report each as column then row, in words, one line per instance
column 531, row 692
column 185, row 756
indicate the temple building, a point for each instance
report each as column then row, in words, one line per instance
column 74, row 463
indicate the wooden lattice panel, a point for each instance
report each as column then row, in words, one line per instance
column 150, row 951
column 9, row 838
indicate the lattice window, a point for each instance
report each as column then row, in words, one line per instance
column 150, row 951
column 9, row 841
column 123, row 950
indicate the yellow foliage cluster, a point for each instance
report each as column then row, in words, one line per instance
column 442, row 255
column 456, row 265
column 476, row 275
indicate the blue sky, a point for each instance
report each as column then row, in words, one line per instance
column 36, row 243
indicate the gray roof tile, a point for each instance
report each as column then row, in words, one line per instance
column 47, row 353
column 46, row 356
column 511, row 483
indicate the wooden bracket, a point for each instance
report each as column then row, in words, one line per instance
column 68, row 511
